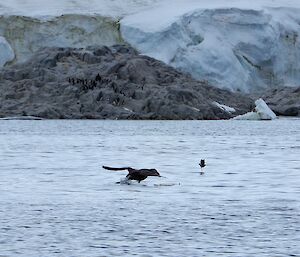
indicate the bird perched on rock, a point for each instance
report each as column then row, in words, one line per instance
column 134, row 174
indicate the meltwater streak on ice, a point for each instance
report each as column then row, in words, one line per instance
column 56, row 200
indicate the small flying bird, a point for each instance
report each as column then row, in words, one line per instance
column 202, row 165
column 134, row 174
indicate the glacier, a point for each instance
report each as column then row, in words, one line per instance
column 28, row 25
column 46, row 8
column 27, row 34
column 235, row 45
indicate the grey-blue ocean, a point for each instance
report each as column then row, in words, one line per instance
column 56, row 200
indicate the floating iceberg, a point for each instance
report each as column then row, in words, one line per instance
column 261, row 112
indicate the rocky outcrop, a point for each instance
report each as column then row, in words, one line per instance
column 109, row 83
column 284, row 101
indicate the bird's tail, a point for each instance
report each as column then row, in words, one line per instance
column 110, row 168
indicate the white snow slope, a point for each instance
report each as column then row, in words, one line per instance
column 233, row 44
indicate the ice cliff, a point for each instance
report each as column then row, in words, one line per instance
column 234, row 44
column 238, row 48
column 27, row 34
column 28, row 25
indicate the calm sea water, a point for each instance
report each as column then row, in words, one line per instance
column 56, row 200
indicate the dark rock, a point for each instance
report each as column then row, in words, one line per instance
column 108, row 83
column 284, row 101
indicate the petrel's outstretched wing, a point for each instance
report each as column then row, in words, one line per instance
column 116, row 169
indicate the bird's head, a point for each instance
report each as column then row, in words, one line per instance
column 154, row 172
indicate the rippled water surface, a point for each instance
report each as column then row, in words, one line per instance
column 56, row 200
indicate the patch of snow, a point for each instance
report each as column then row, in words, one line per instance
column 225, row 107
column 6, row 52
column 195, row 109
column 248, row 116
column 126, row 109
column 262, row 112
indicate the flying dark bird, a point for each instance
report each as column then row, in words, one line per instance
column 134, row 174
column 202, row 164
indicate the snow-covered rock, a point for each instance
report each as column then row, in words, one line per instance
column 261, row 112
column 6, row 52
column 237, row 45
